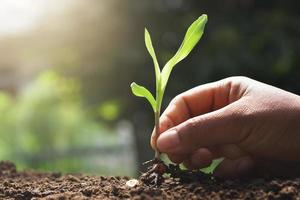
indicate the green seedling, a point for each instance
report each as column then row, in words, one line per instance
column 192, row 36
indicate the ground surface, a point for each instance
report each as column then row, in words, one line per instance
column 32, row 185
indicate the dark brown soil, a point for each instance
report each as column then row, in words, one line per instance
column 33, row 185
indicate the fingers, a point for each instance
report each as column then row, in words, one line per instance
column 197, row 101
column 236, row 162
column 228, row 168
column 235, row 168
column 206, row 155
column 165, row 123
column 224, row 126
column 178, row 158
column 199, row 159
column 177, row 112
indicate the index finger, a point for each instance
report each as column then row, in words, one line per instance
column 197, row 101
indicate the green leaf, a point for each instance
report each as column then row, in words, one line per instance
column 210, row 169
column 191, row 38
column 141, row 91
column 151, row 51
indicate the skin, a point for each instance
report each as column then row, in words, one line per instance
column 254, row 126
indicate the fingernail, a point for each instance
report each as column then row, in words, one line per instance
column 168, row 140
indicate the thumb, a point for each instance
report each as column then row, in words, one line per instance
column 228, row 125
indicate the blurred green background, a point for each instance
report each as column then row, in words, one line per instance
column 66, row 67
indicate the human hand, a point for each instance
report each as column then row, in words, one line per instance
column 251, row 124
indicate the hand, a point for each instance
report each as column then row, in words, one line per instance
column 251, row 124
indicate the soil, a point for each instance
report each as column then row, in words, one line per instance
column 34, row 185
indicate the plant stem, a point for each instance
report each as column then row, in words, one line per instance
column 157, row 115
column 158, row 98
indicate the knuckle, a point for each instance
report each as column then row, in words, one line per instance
column 174, row 103
column 236, row 87
column 235, row 91
column 176, row 100
column 238, row 78
column 237, row 81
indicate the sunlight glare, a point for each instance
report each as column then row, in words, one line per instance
column 20, row 15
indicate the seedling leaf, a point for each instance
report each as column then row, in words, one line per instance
column 151, row 51
column 210, row 169
column 141, row 91
column 191, row 38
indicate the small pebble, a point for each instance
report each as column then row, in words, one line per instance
column 132, row 182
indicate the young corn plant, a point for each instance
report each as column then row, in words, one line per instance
column 192, row 36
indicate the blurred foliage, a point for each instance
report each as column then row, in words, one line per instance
column 109, row 110
column 47, row 124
